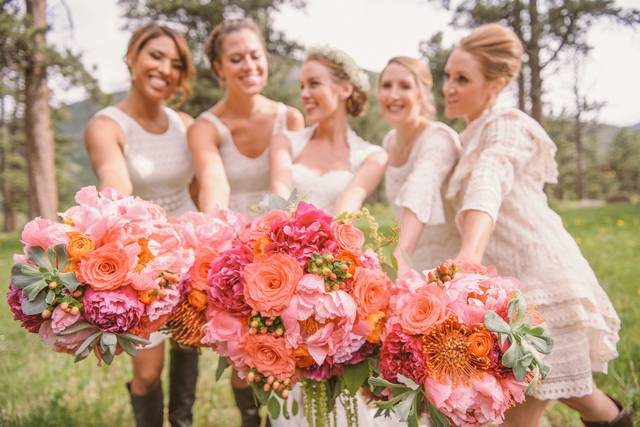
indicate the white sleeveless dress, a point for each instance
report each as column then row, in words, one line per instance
column 249, row 177
column 419, row 185
column 323, row 191
column 159, row 165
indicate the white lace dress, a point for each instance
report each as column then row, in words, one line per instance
column 419, row 185
column 249, row 177
column 507, row 158
column 323, row 191
column 159, row 165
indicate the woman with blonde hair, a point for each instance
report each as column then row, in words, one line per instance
column 139, row 147
column 422, row 153
column 505, row 220
column 230, row 140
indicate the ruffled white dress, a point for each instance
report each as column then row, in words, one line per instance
column 419, row 185
column 507, row 158
column 323, row 191
column 249, row 177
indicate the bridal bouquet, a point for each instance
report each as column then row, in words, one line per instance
column 460, row 343
column 298, row 299
column 207, row 235
column 102, row 280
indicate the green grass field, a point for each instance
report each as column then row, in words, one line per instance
column 42, row 388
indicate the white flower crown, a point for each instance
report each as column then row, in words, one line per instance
column 356, row 75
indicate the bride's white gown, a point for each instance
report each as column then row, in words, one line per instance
column 322, row 191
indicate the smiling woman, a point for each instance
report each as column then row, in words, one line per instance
column 139, row 147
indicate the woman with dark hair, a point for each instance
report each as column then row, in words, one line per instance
column 139, row 147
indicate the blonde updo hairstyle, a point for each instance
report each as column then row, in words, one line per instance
column 213, row 45
column 357, row 102
column 497, row 48
column 141, row 37
column 422, row 76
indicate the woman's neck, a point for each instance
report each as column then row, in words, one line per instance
column 241, row 104
column 333, row 129
column 141, row 108
column 408, row 132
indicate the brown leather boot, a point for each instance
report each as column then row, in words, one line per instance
column 148, row 409
column 623, row 419
column 183, row 377
column 249, row 413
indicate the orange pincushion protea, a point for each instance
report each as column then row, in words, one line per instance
column 450, row 351
column 186, row 324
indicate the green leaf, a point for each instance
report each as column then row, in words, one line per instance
column 36, row 306
column 39, row 258
column 394, row 261
column 355, row 376
column 69, row 281
column 51, row 295
column 274, row 407
column 31, row 291
column 437, row 418
column 294, row 407
column 519, row 371
column 381, row 382
column 87, row 344
column 260, row 394
column 223, row 363
column 127, row 346
column 135, row 339
column 107, row 356
column 391, row 272
column 108, row 342
column 405, row 405
column 513, row 353
column 77, row 327
column 495, row 323
column 27, row 270
column 541, row 344
column 408, row 382
column 285, row 410
column 335, row 386
column 60, row 256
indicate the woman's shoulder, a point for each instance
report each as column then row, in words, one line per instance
column 444, row 132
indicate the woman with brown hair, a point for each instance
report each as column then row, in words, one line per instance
column 422, row 153
column 230, row 140
column 139, row 147
column 505, row 220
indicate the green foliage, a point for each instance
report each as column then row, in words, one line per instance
column 625, row 161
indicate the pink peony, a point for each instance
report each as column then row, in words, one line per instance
column 44, row 233
column 402, row 354
column 108, row 267
column 30, row 322
column 308, row 232
column 225, row 332
column 369, row 259
column 348, row 237
column 61, row 320
column 269, row 283
column 481, row 402
column 269, row 355
column 226, row 290
column 168, row 299
column 113, row 311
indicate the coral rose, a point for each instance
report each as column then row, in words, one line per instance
column 371, row 291
column 200, row 269
column 79, row 245
column 269, row 355
column 108, row 267
column 422, row 309
column 269, row 283
column 349, row 238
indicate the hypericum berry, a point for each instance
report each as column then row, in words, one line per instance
column 254, row 324
column 251, row 376
column 64, row 306
column 46, row 314
column 266, row 387
column 75, row 311
column 276, row 385
column 285, row 394
column 279, row 332
column 263, row 330
column 319, row 262
column 77, row 294
column 53, row 285
column 252, row 331
column 271, row 379
column 326, row 271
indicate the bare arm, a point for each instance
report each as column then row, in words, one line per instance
column 410, row 231
column 103, row 139
column 295, row 121
column 363, row 183
column 212, row 180
column 477, row 227
column 281, row 164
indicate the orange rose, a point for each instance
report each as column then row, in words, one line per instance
column 107, row 268
column 371, row 291
column 349, row 238
column 79, row 245
column 197, row 299
column 351, row 259
column 422, row 310
column 480, row 343
column 269, row 283
column 302, row 357
column 269, row 355
column 201, row 267
column 375, row 323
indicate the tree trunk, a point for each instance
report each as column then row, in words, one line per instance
column 580, row 107
column 517, row 26
column 43, row 192
column 535, row 71
column 8, row 212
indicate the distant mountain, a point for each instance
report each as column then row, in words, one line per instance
column 636, row 126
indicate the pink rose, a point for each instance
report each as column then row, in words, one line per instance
column 108, row 267
column 200, row 269
column 419, row 311
column 269, row 283
column 269, row 355
column 371, row 291
column 61, row 320
column 349, row 238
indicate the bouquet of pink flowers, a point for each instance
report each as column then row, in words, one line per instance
column 462, row 344
column 207, row 235
column 297, row 298
column 103, row 279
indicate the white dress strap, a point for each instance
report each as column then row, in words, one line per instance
column 280, row 124
column 120, row 117
column 175, row 119
column 223, row 131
